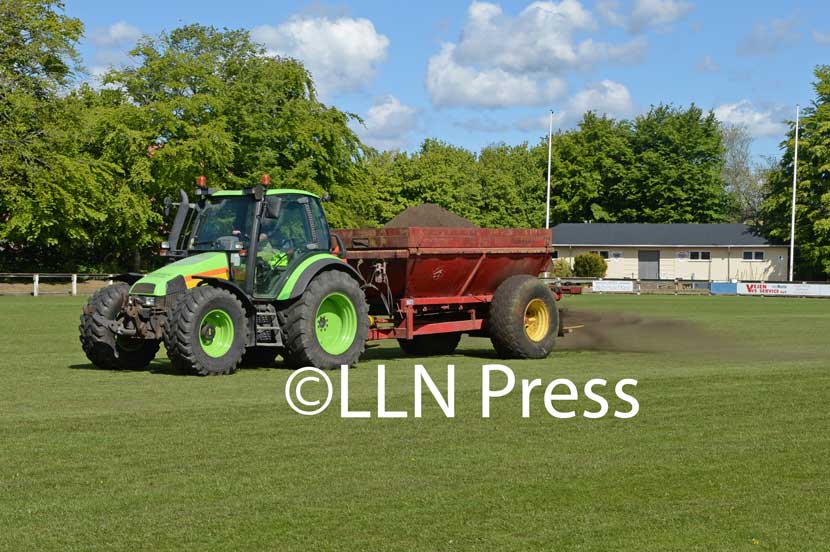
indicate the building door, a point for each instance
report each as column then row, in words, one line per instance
column 649, row 264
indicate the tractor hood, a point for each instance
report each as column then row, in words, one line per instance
column 165, row 280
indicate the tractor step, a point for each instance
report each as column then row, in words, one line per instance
column 267, row 331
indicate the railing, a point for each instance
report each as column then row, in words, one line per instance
column 36, row 279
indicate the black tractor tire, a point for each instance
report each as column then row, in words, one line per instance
column 102, row 347
column 257, row 357
column 184, row 347
column 302, row 347
column 430, row 345
column 508, row 318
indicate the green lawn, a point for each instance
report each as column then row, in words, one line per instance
column 730, row 450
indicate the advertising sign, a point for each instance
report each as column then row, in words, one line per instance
column 794, row 290
column 613, row 286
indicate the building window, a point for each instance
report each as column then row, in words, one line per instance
column 603, row 254
column 555, row 254
column 616, row 255
column 700, row 255
column 753, row 255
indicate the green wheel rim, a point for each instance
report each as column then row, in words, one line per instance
column 216, row 333
column 336, row 324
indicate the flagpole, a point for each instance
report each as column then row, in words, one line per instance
column 550, row 139
column 795, row 177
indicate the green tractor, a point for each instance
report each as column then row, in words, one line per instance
column 255, row 273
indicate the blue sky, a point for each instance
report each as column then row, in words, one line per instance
column 474, row 73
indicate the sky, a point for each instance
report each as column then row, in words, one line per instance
column 477, row 73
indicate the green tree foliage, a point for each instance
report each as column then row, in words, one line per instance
column 561, row 269
column 204, row 101
column 813, row 191
column 51, row 191
column 676, row 174
column 511, row 192
column 590, row 265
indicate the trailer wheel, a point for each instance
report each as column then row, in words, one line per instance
column 430, row 345
column 328, row 325
column 102, row 347
column 207, row 332
column 523, row 320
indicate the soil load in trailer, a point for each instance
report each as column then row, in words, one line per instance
column 426, row 286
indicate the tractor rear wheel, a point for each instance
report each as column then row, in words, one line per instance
column 102, row 347
column 327, row 326
column 523, row 320
column 207, row 332
column 430, row 345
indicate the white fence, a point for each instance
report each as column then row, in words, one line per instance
column 35, row 281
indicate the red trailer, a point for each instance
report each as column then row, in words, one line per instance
column 427, row 286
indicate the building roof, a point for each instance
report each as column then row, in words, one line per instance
column 651, row 235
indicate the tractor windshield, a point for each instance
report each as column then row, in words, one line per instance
column 224, row 224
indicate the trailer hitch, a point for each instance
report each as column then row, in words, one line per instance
column 115, row 326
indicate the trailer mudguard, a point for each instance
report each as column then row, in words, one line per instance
column 304, row 272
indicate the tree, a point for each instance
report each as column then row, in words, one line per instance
column 676, row 174
column 202, row 101
column 512, row 187
column 590, row 265
column 561, row 269
column 743, row 177
column 438, row 173
column 812, row 227
column 50, row 191
column 590, row 166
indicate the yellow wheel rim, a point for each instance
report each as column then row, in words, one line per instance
column 537, row 320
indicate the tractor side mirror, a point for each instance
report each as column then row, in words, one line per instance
column 168, row 202
column 273, row 206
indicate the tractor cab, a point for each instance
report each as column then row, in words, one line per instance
column 259, row 234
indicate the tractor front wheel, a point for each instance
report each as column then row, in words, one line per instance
column 207, row 332
column 328, row 325
column 102, row 347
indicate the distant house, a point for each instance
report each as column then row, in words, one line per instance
column 718, row 252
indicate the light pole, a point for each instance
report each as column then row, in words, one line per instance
column 550, row 138
column 795, row 176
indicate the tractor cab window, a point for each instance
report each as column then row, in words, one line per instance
column 300, row 228
column 223, row 224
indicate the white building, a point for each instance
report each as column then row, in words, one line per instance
column 713, row 252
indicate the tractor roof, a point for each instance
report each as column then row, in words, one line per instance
column 278, row 191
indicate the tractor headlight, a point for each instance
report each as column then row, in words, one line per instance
column 148, row 301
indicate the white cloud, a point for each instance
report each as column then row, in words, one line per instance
column 342, row 54
column 821, row 38
column 503, row 60
column 707, row 65
column 451, row 84
column 117, row 34
column 607, row 97
column 759, row 122
column 604, row 98
column 541, row 38
column 608, row 11
column 769, row 38
column 388, row 123
column 656, row 13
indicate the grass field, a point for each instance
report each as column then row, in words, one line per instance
column 730, row 449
